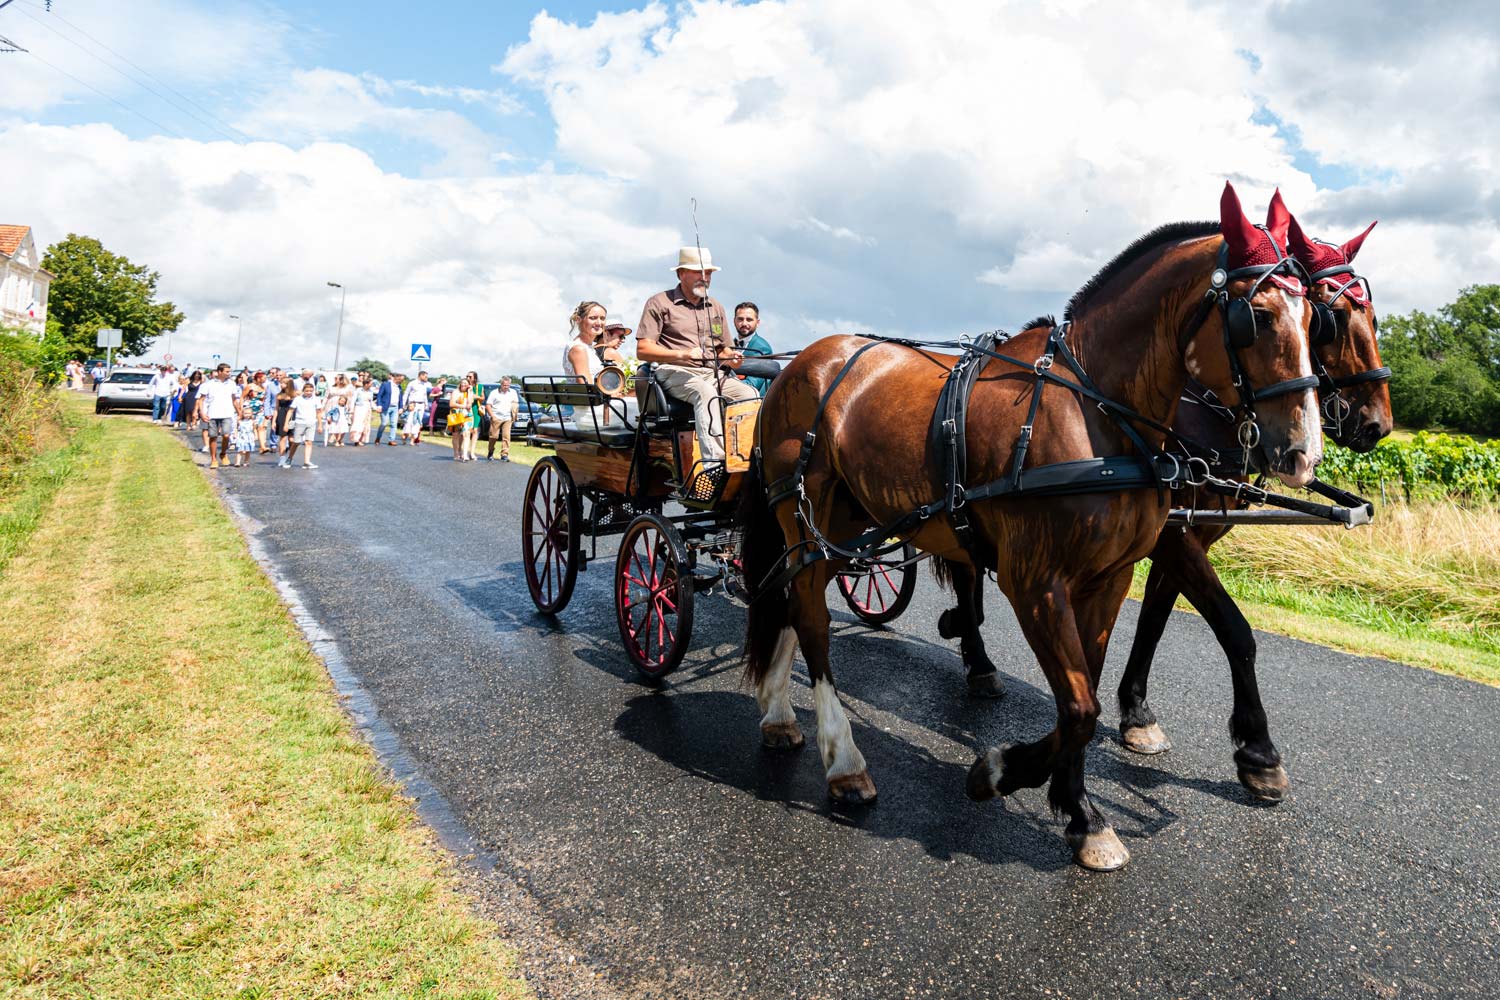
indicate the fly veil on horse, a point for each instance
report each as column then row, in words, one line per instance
column 1065, row 488
column 1356, row 403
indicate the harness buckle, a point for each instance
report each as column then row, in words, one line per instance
column 1042, row 363
column 960, row 497
column 1197, row 463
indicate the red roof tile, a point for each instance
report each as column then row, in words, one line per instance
column 11, row 237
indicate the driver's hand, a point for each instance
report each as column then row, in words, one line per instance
column 732, row 359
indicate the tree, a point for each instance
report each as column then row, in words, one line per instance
column 94, row 289
column 1446, row 367
column 378, row 370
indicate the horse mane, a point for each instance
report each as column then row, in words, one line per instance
column 1172, row 232
column 1046, row 321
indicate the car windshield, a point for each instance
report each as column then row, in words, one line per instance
column 130, row 378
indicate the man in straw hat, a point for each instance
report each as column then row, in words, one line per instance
column 684, row 333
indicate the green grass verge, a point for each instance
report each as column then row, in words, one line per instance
column 27, row 491
column 184, row 809
column 1352, row 620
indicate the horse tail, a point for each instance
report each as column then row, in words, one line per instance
column 943, row 573
column 761, row 545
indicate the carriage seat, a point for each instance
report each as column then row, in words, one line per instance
column 562, row 391
column 660, row 412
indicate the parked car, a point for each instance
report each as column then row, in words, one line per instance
column 125, row 389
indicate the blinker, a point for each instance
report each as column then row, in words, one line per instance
column 1324, row 325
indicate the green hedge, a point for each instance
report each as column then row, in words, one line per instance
column 1428, row 466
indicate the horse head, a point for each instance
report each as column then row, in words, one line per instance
column 1264, row 370
column 1352, row 381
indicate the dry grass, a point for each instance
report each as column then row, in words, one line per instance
column 184, row 810
column 1421, row 585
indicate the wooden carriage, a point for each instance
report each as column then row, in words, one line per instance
column 636, row 471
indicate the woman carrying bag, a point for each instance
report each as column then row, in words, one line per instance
column 460, row 411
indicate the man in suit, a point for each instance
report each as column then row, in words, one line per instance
column 388, row 404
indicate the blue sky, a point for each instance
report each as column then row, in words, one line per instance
column 919, row 167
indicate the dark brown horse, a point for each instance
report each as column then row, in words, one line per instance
column 1140, row 329
column 1357, row 414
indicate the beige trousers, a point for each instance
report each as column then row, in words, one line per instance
column 700, row 387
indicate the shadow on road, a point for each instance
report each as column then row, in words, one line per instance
column 690, row 722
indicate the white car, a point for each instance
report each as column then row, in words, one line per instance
column 125, row 389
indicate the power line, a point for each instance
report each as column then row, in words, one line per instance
column 145, row 86
column 102, row 94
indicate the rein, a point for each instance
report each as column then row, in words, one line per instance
column 1152, row 467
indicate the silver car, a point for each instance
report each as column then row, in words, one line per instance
column 125, row 389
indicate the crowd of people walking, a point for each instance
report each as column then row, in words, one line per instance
column 245, row 414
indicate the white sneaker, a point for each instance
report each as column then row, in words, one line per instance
column 308, row 465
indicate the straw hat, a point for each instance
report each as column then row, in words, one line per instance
column 687, row 257
column 614, row 322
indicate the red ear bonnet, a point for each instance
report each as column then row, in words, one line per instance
column 1352, row 247
column 1315, row 255
column 1248, row 246
column 1278, row 218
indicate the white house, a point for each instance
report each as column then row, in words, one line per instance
column 23, row 281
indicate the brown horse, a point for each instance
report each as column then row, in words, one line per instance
column 1140, row 328
column 1357, row 414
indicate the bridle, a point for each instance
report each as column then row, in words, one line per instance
column 1238, row 320
column 1334, row 405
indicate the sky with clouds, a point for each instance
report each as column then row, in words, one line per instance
column 919, row 168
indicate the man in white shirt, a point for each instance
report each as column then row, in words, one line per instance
column 502, row 406
column 219, row 404
column 418, row 392
column 163, row 384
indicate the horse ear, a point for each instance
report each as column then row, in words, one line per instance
column 1297, row 243
column 1239, row 232
column 1352, row 247
column 1278, row 218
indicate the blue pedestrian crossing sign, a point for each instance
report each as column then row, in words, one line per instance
column 421, row 352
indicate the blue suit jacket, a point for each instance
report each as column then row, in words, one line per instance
column 388, row 395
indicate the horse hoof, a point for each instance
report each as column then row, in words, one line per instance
column 1099, row 852
column 852, row 789
column 781, row 736
column 947, row 628
column 984, row 776
column 1146, row 739
column 1268, row 784
column 986, row 686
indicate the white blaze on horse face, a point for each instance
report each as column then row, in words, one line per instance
column 835, row 739
column 774, row 691
column 1310, row 418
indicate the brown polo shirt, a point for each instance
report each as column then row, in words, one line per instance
column 673, row 323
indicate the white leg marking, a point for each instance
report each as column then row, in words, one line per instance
column 835, row 740
column 774, row 692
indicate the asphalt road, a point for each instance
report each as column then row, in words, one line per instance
column 680, row 859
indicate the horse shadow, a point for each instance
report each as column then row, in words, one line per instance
column 691, row 723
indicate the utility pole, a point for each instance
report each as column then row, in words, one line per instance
column 237, row 338
column 339, row 339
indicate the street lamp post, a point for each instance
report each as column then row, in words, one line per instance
column 238, row 335
column 339, row 339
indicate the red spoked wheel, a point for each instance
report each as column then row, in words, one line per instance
column 879, row 594
column 550, row 523
column 653, row 595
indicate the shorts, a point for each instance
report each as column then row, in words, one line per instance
column 220, row 427
column 303, row 433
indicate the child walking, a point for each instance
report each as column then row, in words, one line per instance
column 306, row 417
